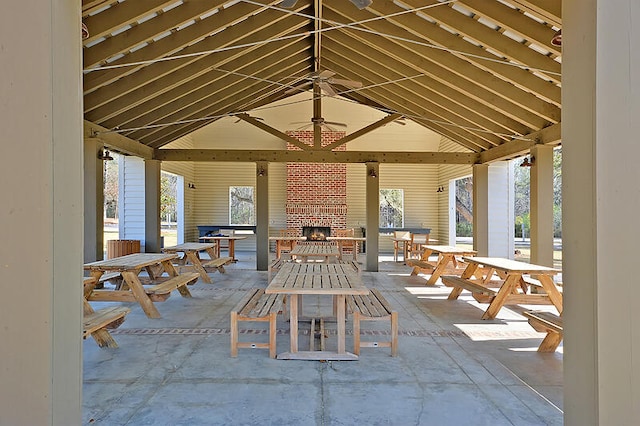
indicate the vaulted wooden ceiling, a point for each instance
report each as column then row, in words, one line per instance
column 482, row 73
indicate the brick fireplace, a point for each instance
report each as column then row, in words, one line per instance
column 316, row 193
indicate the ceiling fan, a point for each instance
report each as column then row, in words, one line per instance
column 360, row 4
column 324, row 80
column 329, row 125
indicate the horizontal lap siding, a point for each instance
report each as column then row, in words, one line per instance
column 212, row 202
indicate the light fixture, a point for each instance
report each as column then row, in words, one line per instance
column 191, row 185
column 373, row 173
column 528, row 162
column 557, row 39
column 105, row 155
column 440, row 189
column 85, row 32
column 262, row 172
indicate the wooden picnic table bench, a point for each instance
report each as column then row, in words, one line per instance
column 256, row 306
column 372, row 307
column 546, row 322
column 97, row 323
column 512, row 290
column 132, row 289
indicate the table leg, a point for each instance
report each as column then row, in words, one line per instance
column 172, row 272
column 195, row 261
column 443, row 261
column 293, row 322
column 552, row 291
column 232, row 250
column 340, row 318
column 506, row 289
column 131, row 278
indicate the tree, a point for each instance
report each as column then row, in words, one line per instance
column 168, row 196
column 110, row 188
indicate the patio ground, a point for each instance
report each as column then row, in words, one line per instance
column 452, row 368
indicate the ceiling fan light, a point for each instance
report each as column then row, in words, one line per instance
column 361, row 4
column 557, row 39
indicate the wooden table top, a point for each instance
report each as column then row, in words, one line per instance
column 317, row 278
column 509, row 265
column 189, row 247
column 225, row 237
column 315, row 248
column 449, row 249
column 287, row 238
column 130, row 262
column 346, row 239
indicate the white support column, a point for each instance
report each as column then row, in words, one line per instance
column 93, row 201
column 541, row 205
column 42, row 186
column 262, row 216
column 152, row 206
column 372, row 171
column 131, row 199
column 601, row 200
column 493, row 221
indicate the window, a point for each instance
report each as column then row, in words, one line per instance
column 391, row 208
column 241, row 205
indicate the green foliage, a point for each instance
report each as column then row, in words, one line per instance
column 464, row 229
column 391, row 208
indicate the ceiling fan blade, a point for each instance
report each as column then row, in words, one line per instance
column 298, row 89
column 333, row 123
column 288, row 3
column 325, row 74
column 347, row 83
column 326, row 88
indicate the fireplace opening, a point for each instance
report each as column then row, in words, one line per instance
column 316, row 233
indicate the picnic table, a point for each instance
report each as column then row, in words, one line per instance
column 286, row 240
column 350, row 242
column 323, row 249
column 513, row 287
column 446, row 256
column 330, row 279
column 191, row 257
column 131, row 289
column 232, row 243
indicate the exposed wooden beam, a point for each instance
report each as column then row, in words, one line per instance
column 431, row 33
column 370, row 128
column 551, row 135
column 117, row 142
column 147, row 31
column 548, row 10
column 283, row 156
column 490, row 39
column 272, row 131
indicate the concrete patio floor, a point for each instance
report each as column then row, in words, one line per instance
column 452, row 367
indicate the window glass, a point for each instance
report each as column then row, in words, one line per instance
column 241, row 205
column 391, row 208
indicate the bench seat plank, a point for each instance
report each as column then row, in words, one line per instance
column 178, row 282
column 546, row 322
column 256, row 306
column 372, row 307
